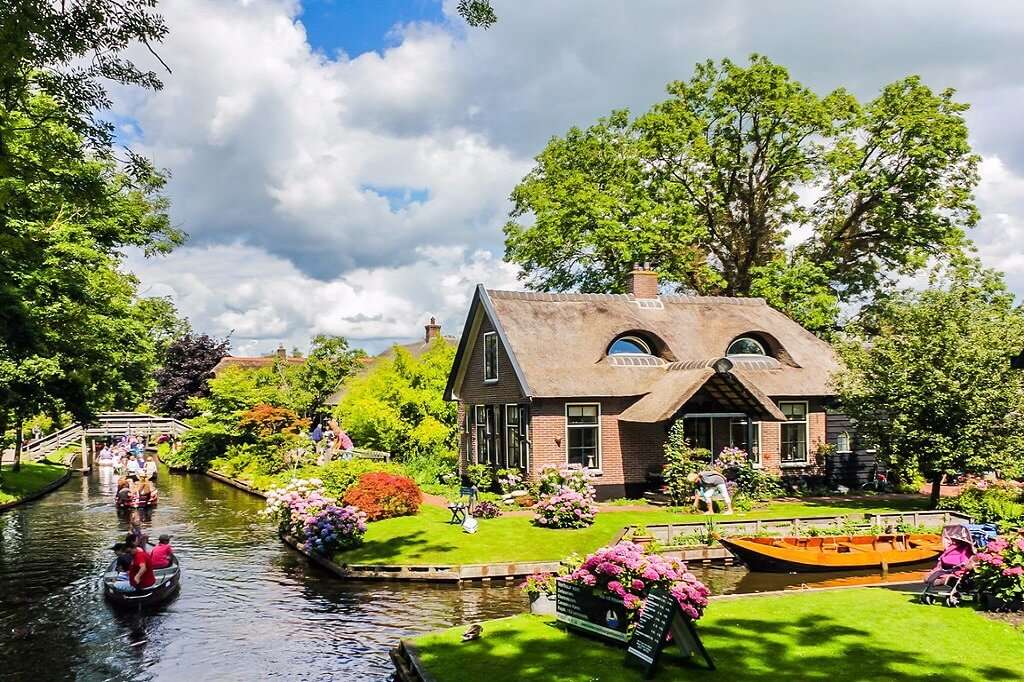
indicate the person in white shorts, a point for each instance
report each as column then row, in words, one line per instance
column 706, row 485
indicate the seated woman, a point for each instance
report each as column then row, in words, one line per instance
column 123, row 498
column 145, row 491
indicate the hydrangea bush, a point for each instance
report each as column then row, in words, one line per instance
column 509, row 480
column 290, row 504
column 624, row 571
column 999, row 569
column 566, row 508
column 486, row 510
column 334, row 528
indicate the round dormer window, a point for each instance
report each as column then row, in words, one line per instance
column 629, row 345
column 746, row 345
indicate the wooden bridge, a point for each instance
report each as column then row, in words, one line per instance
column 107, row 425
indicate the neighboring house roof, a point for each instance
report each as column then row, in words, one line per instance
column 558, row 345
column 252, row 362
column 415, row 349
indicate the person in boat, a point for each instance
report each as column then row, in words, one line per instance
column 706, row 486
column 162, row 553
column 150, row 467
column 145, row 492
column 124, row 493
column 133, row 468
column 105, row 455
column 123, row 564
column 140, row 574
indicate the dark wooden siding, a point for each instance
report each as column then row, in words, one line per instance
column 848, row 468
column 477, row 392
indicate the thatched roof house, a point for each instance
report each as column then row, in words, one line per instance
column 597, row 379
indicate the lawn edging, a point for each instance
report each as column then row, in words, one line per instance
column 235, row 483
column 45, row 490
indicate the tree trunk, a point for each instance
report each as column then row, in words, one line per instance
column 933, row 502
column 19, row 436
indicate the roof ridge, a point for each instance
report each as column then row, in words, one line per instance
column 553, row 297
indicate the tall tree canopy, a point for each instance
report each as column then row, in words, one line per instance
column 708, row 185
column 928, row 376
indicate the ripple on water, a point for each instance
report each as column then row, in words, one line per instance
column 249, row 607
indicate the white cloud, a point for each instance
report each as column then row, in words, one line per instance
column 303, row 177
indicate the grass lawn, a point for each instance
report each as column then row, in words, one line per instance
column 427, row 538
column 31, row 478
column 839, row 636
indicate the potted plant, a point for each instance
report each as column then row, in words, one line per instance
column 540, row 588
column 641, row 536
column 998, row 571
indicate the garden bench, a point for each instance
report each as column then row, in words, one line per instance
column 458, row 508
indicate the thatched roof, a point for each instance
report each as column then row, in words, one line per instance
column 560, row 344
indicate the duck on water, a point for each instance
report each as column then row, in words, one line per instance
column 139, row 578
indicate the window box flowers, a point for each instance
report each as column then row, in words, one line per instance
column 625, row 572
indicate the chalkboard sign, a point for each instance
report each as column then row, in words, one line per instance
column 578, row 606
column 660, row 616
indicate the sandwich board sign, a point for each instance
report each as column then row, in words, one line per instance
column 578, row 606
column 660, row 616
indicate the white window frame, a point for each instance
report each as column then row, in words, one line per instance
column 485, row 441
column 487, row 337
column 600, row 454
column 635, row 340
column 807, row 434
column 849, row 442
column 763, row 353
column 753, row 449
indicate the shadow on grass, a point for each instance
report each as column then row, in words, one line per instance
column 748, row 650
column 401, row 549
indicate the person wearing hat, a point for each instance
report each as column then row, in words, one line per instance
column 162, row 553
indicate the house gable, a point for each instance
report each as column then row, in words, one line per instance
column 466, row 382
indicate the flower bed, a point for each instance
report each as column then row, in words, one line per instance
column 303, row 511
column 998, row 571
column 565, row 509
column 626, row 572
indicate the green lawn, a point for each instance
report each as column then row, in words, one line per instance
column 427, row 538
column 31, row 478
column 839, row 636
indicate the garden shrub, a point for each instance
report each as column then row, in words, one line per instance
column 999, row 569
column 334, row 528
column 681, row 460
column 340, row 475
column 509, row 480
column 291, row 503
column 565, row 509
column 200, row 445
column 548, row 481
column 481, row 476
column 999, row 502
column 431, row 468
column 486, row 510
column 383, row 496
column 265, row 420
column 624, row 571
column 756, row 484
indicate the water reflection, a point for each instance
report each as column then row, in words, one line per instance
column 249, row 608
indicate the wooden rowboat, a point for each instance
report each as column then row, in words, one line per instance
column 833, row 553
column 168, row 581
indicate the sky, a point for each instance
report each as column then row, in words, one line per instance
column 343, row 166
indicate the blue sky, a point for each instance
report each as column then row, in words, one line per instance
column 358, row 26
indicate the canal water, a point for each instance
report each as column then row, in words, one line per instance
column 249, row 607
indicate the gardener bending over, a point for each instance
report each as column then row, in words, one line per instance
column 706, row 485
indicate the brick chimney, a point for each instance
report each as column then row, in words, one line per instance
column 281, row 352
column 643, row 282
column 433, row 330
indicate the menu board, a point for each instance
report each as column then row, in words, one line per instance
column 578, row 606
column 659, row 616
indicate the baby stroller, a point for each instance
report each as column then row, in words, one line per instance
column 949, row 582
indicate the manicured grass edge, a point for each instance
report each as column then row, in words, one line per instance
column 45, row 490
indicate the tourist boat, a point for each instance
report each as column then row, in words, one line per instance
column 833, row 553
column 168, row 580
column 135, row 503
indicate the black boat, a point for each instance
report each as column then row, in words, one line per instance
column 168, row 581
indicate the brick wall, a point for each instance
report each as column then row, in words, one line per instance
column 771, row 441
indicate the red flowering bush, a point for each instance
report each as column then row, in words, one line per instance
column 382, row 495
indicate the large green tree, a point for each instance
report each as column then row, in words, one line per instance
column 928, row 376
column 708, row 185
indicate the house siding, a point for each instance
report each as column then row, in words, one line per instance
column 474, row 390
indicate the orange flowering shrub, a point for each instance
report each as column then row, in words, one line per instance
column 266, row 420
column 382, row 495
